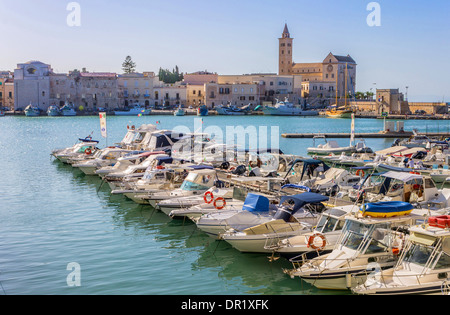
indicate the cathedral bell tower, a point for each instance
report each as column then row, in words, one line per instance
column 285, row 53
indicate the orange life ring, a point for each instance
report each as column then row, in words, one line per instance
column 224, row 203
column 311, row 244
column 88, row 151
column 210, row 194
column 360, row 173
column 414, row 173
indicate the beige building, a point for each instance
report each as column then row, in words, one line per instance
column 334, row 76
column 392, row 101
column 254, row 89
column 84, row 90
column 136, row 88
column 6, row 93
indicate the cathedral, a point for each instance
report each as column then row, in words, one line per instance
column 332, row 78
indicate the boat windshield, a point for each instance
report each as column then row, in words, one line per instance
column 196, row 182
column 368, row 238
column 425, row 255
column 328, row 224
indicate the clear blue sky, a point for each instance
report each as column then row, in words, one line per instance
column 410, row 48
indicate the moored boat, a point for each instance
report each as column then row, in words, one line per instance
column 32, row 111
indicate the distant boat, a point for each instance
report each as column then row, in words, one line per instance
column 202, row 111
column 32, row 111
column 179, row 112
column 339, row 113
column 331, row 147
column 68, row 110
column 53, row 111
column 134, row 111
column 2, row 113
column 231, row 110
column 288, row 109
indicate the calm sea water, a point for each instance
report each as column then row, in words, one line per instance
column 52, row 215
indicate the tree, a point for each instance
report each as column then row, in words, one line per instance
column 167, row 76
column 128, row 65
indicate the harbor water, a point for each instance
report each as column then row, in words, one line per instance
column 54, row 220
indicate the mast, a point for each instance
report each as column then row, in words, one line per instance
column 345, row 91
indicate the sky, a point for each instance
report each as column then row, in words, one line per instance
column 409, row 49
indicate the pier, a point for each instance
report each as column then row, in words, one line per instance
column 374, row 135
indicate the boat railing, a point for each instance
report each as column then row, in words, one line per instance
column 383, row 278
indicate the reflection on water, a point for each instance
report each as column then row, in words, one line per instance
column 52, row 214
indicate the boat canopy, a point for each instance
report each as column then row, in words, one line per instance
column 300, row 200
column 402, row 176
column 391, row 150
column 308, row 164
column 256, row 203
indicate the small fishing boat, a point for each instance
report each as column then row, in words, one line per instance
column 68, row 110
column 53, row 111
column 423, row 265
column 179, row 112
column 32, row 111
column 136, row 110
column 2, row 113
column 107, row 157
column 202, row 111
column 329, row 147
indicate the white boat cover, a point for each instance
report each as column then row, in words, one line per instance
column 403, row 176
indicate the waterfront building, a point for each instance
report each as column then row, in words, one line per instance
column 333, row 76
column 32, row 85
column 6, row 90
column 254, row 89
column 170, row 94
column 136, row 88
column 392, row 101
column 84, row 90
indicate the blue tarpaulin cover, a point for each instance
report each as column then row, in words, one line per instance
column 256, row 203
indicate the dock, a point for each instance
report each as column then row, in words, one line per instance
column 374, row 135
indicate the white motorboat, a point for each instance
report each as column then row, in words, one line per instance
column 53, row 111
column 440, row 175
column 286, row 108
column 231, row 110
column 32, row 111
column 401, row 186
column 255, row 210
column 366, row 243
column 321, row 240
column 198, row 181
column 123, row 163
column 125, row 178
column 329, row 148
column 84, row 148
column 218, row 197
column 423, row 265
column 234, row 201
column 332, row 181
column 156, row 179
column 68, row 110
column 293, row 217
column 135, row 110
column 107, row 157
